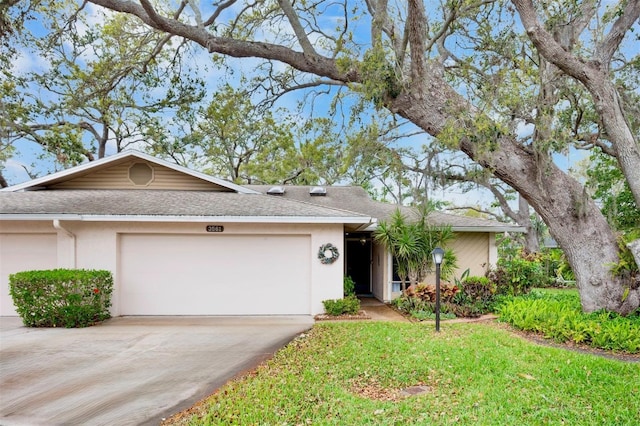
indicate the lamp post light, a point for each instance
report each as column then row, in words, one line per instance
column 438, row 257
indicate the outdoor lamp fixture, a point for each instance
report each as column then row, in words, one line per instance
column 438, row 257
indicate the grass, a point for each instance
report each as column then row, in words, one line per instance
column 477, row 374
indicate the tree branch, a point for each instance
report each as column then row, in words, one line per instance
column 313, row 63
column 629, row 16
column 301, row 35
column 416, row 22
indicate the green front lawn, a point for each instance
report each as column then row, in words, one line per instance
column 477, row 374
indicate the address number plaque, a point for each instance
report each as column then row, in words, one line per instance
column 215, row 228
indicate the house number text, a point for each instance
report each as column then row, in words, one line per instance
column 215, row 228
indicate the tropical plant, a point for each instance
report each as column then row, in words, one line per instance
column 411, row 244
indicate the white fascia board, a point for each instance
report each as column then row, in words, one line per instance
column 224, row 219
column 218, row 219
column 491, row 229
column 41, row 216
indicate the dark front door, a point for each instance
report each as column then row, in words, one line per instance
column 359, row 263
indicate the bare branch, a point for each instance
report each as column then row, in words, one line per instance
column 476, row 209
column 301, row 35
column 221, row 8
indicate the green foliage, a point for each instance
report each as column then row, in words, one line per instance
column 71, row 109
column 422, row 308
column 471, row 297
column 61, row 297
column 559, row 317
column 626, row 266
column 557, row 268
column 380, row 83
column 411, row 244
column 517, row 271
column 349, row 286
column 350, row 305
column 610, row 187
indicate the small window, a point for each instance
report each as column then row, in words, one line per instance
column 141, row 174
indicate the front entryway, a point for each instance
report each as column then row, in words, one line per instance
column 358, row 261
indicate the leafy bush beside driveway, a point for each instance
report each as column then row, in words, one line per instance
column 61, row 297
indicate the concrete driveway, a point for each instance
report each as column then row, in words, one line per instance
column 128, row 370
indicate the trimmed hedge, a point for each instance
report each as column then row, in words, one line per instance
column 350, row 305
column 62, row 297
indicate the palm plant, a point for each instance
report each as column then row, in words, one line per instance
column 411, row 244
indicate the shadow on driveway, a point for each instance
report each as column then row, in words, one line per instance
column 128, row 370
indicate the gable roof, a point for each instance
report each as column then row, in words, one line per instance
column 356, row 199
column 114, row 160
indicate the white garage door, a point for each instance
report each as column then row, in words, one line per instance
column 214, row 275
column 23, row 252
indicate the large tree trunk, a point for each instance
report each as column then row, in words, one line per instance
column 574, row 219
column 531, row 240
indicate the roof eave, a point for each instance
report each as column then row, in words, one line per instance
column 193, row 219
column 494, row 229
column 491, row 229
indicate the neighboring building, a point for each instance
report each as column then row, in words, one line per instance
column 179, row 242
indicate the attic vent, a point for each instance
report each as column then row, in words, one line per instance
column 318, row 191
column 141, row 174
column 276, row 190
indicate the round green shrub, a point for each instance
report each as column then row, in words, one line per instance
column 61, row 297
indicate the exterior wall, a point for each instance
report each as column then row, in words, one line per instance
column 476, row 251
column 96, row 247
column 117, row 177
column 472, row 250
column 378, row 272
column 24, row 246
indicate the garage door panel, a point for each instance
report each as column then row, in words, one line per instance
column 23, row 252
column 214, row 275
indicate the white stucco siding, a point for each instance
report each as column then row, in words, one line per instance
column 214, row 274
column 24, row 252
column 273, row 267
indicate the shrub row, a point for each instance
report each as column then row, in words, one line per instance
column 61, row 297
column 560, row 317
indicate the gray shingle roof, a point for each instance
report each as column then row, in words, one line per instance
column 356, row 199
column 163, row 203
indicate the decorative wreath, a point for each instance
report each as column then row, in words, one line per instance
column 328, row 253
